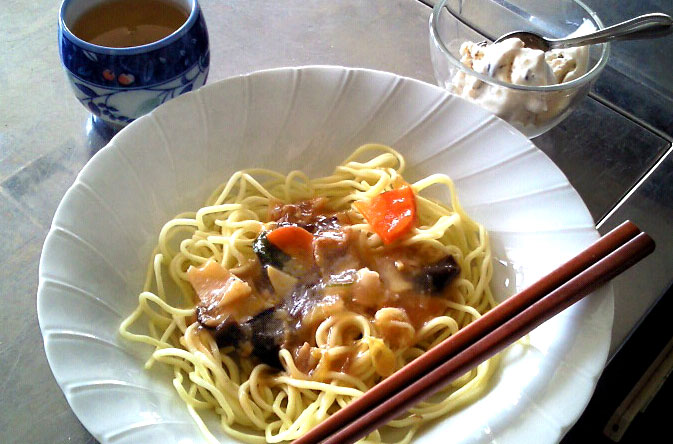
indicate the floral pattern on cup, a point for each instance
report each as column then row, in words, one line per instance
column 126, row 79
column 106, row 103
column 109, row 75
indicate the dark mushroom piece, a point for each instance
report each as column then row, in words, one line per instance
column 269, row 333
column 434, row 278
column 265, row 332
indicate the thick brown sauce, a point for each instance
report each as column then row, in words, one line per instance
column 420, row 308
column 332, row 284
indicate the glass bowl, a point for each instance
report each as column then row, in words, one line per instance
column 533, row 110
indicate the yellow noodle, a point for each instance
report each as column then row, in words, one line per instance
column 256, row 404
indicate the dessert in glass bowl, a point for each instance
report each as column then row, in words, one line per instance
column 531, row 89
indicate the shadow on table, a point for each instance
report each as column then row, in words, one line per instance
column 98, row 134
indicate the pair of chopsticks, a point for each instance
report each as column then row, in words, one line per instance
column 483, row 338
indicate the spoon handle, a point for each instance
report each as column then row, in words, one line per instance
column 644, row 26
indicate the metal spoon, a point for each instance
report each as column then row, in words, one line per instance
column 644, row 26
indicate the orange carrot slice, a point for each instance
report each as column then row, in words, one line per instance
column 292, row 240
column 391, row 214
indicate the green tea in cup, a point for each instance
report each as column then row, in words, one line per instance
column 127, row 23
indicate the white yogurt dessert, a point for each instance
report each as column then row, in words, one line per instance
column 509, row 61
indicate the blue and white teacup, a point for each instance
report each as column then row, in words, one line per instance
column 119, row 85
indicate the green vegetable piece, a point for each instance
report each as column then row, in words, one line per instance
column 268, row 253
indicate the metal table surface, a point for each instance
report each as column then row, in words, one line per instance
column 615, row 149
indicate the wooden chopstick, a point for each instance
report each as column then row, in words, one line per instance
column 521, row 324
column 351, row 418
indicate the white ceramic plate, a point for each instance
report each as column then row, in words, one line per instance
column 310, row 118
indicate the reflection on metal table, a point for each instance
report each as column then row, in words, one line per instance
column 615, row 149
